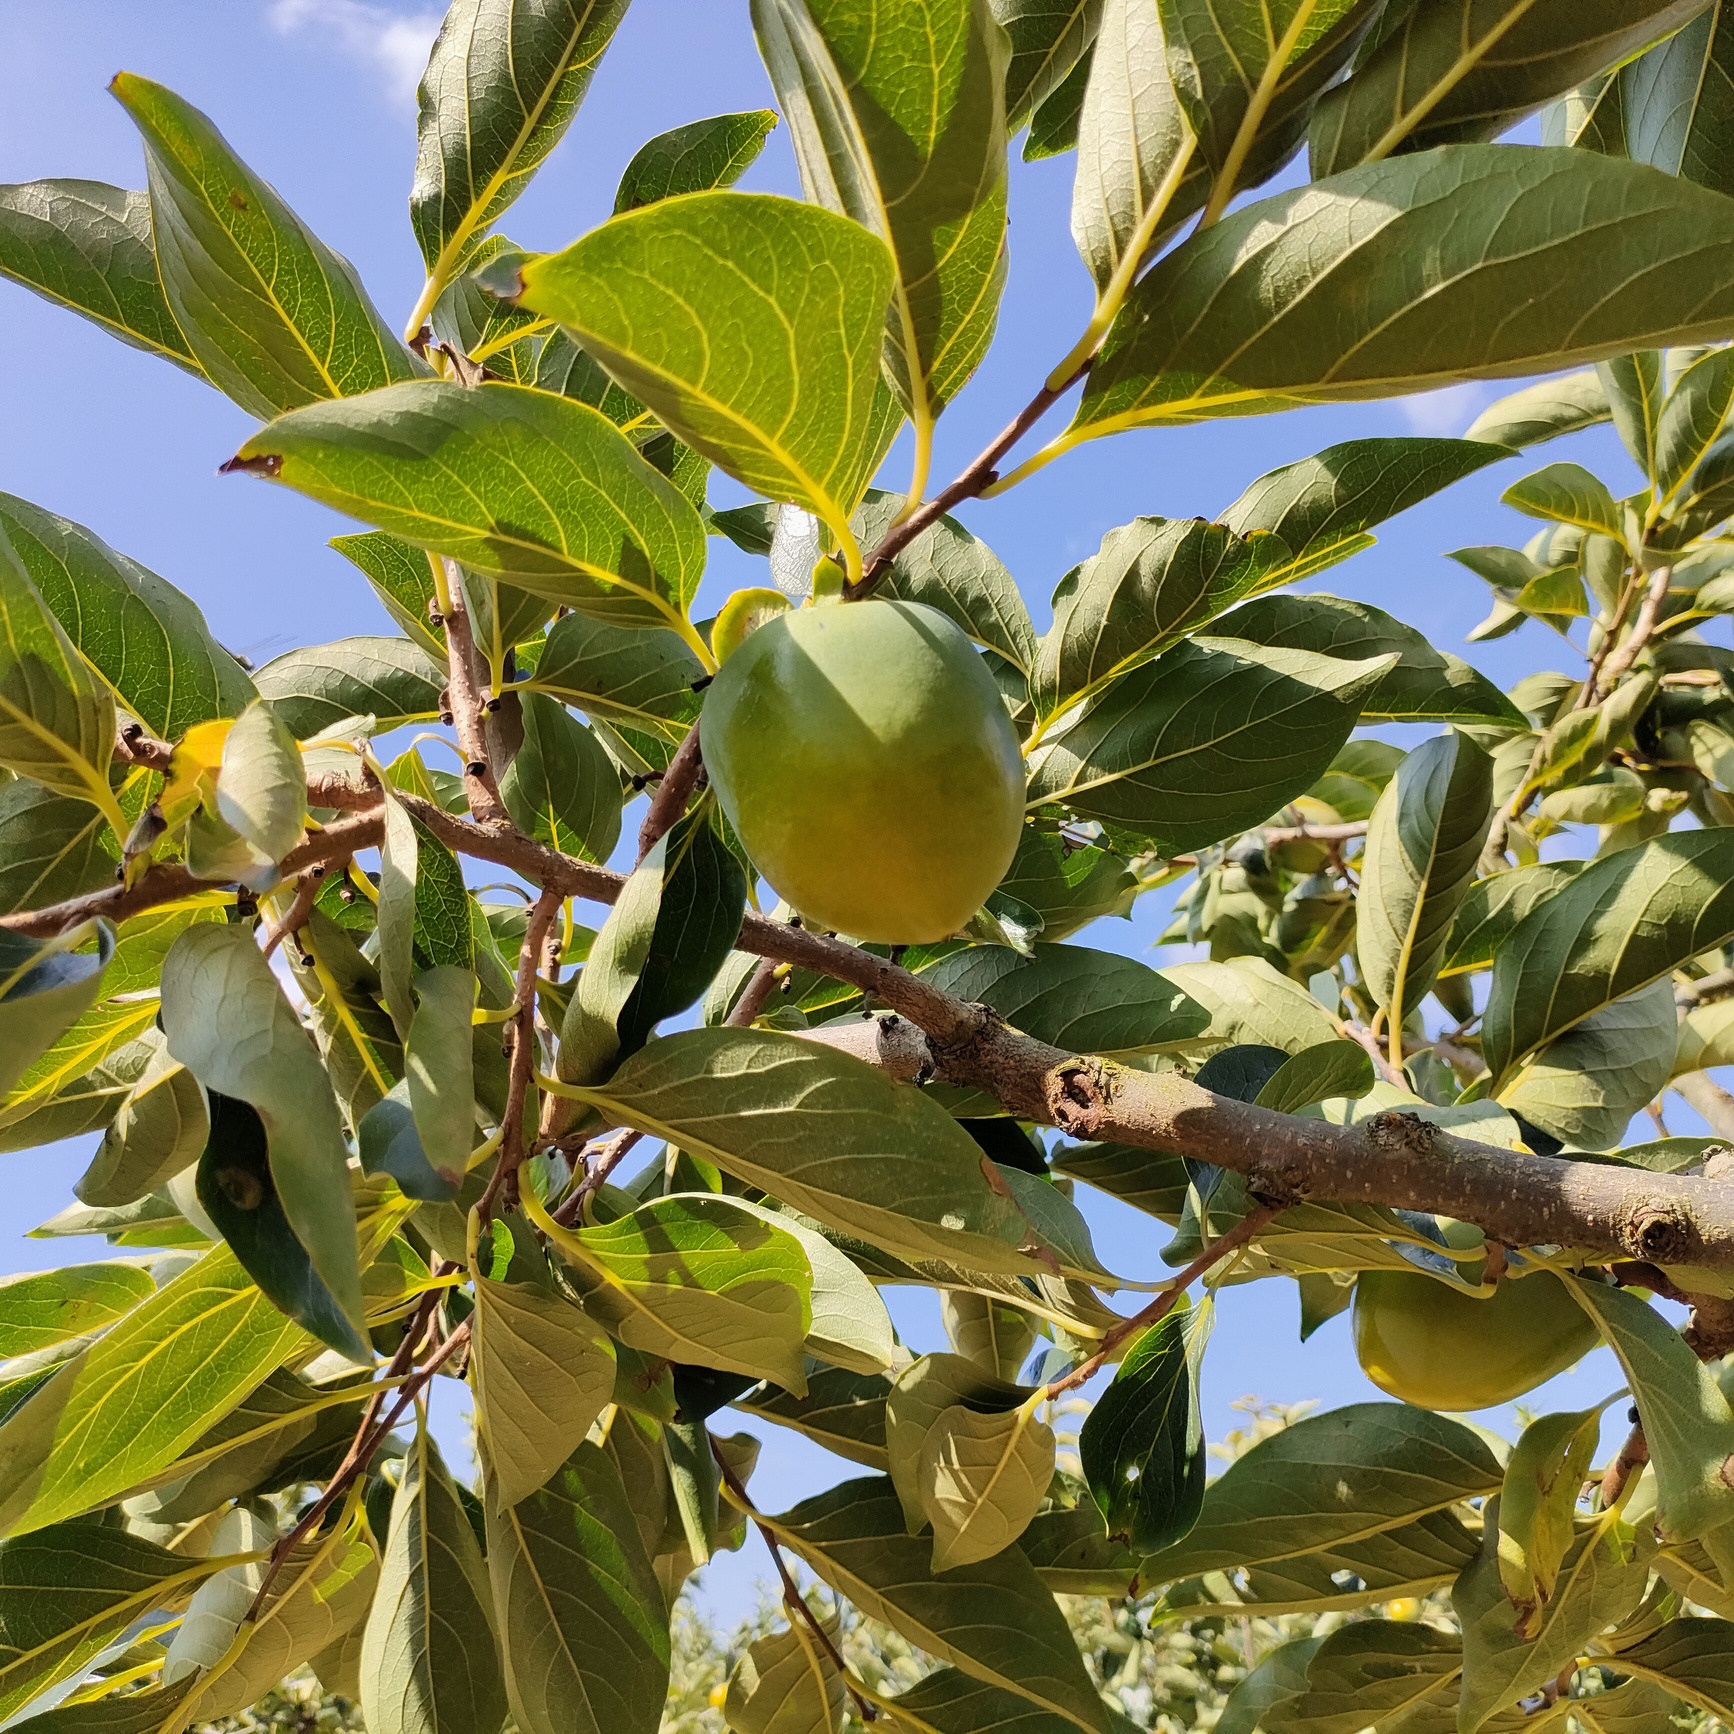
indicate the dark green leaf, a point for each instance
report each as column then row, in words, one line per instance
column 46, row 987
column 1492, row 907
column 87, row 245
column 695, row 158
column 1693, row 1657
column 444, row 931
column 561, row 787
column 1370, row 1672
column 1675, row 106
column 1147, row 1180
column 1054, row 126
column 389, row 679
column 402, row 580
column 51, row 848
column 1048, row 39
column 641, row 679
column 1543, row 411
column 843, row 1411
column 273, row 316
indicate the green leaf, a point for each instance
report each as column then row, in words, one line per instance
column 1690, row 1657
column 56, row 722
column 1601, row 1580
column 389, row 679
column 543, row 1373
column 695, row 158
column 696, row 1280
column 68, row 1591
column 642, row 679
column 261, row 786
column 131, row 1403
column 1281, row 1674
column 992, row 1619
column 750, row 325
column 358, row 1042
column 51, row 848
column 444, row 928
column 55, row 1306
column 87, row 246
column 982, row 1478
column 273, row 316
column 561, row 787
column 1149, row 583
column 1492, row 907
column 1148, row 1180
column 1086, row 1001
column 429, row 1660
column 1378, row 1672
column 1048, row 39
column 923, row 1391
column 1415, row 250
column 667, row 935
column 1054, row 126
column 1133, row 141
column 1465, row 69
column 828, row 1136
column 159, row 1128
column 1423, row 842
column 149, row 1712
column 1675, row 102
column 1564, row 404
column 897, row 119
column 1328, row 1481
column 1320, row 1073
column 402, row 580
column 1537, row 1502
column 437, row 1069
column 786, row 1683
column 1249, row 76
column 994, row 1336
column 510, row 482
column 501, row 87
column 1068, row 887
column 947, row 568
column 1623, row 922
column 1425, row 685
column 1248, row 1001
column 1142, row 1445
column 1169, row 750
column 582, row 1620
column 843, row 1411
column 1585, row 1086
column 228, row 1023
column 46, row 988
column 1686, row 1418
column 1691, row 418
column 142, row 635
column 1568, row 494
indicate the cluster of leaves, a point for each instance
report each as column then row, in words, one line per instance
column 303, row 1172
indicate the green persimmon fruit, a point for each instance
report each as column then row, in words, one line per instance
column 865, row 760
column 1439, row 1348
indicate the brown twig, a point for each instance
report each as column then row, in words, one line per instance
column 761, row 984
column 295, row 917
column 601, row 1157
column 502, row 1183
column 793, row 1600
column 1630, row 1457
column 1164, row 1303
column 673, row 791
column 468, row 712
column 132, row 746
column 1643, row 629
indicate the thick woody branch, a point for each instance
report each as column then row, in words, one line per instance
column 468, row 707
column 673, row 791
column 1394, row 1159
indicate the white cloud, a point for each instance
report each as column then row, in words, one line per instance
column 1444, row 412
column 394, row 45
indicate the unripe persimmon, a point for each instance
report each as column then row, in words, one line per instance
column 863, row 755
column 1439, row 1348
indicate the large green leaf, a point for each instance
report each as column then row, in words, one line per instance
column 273, row 316
column 543, row 1372
column 1373, row 1671
column 1687, row 1420
column 1622, row 922
column 1142, row 1446
column 131, row 1403
column 582, row 1620
column 87, row 245
column 1692, row 1657
column 1425, row 685
column 501, row 87
column 228, row 1023
column 1538, row 1502
column 1423, row 842
column 843, row 1411
column 640, row 679
column 751, row 325
column 51, row 847
column 699, row 1281
column 389, row 679
column 429, row 1660
column 1416, row 251
column 695, row 158
column 1451, row 71
column 983, row 1476
column 561, row 787
column 1492, row 907
column 54, row 1306
column 1249, row 1001
column 509, row 481
column 1208, row 739
column 1676, row 101
column 826, row 1134
column 1048, row 39
column 56, row 721
column 897, row 119
column 1328, row 1481
column 1249, row 76
column 158, row 1130
column 68, row 1591
column 992, row 1619
column 1543, row 411
column 786, row 1683
column 47, row 986
column 1087, row 1001
column 143, row 636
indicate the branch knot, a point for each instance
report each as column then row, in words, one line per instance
column 1661, row 1231
column 1403, row 1134
column 1079, row 1094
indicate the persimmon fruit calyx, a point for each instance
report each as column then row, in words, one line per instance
column 1439, row 1348
column 863, row 755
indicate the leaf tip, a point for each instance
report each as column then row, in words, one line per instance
column 266, row 464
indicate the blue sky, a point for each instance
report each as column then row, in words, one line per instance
column 318, row 96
